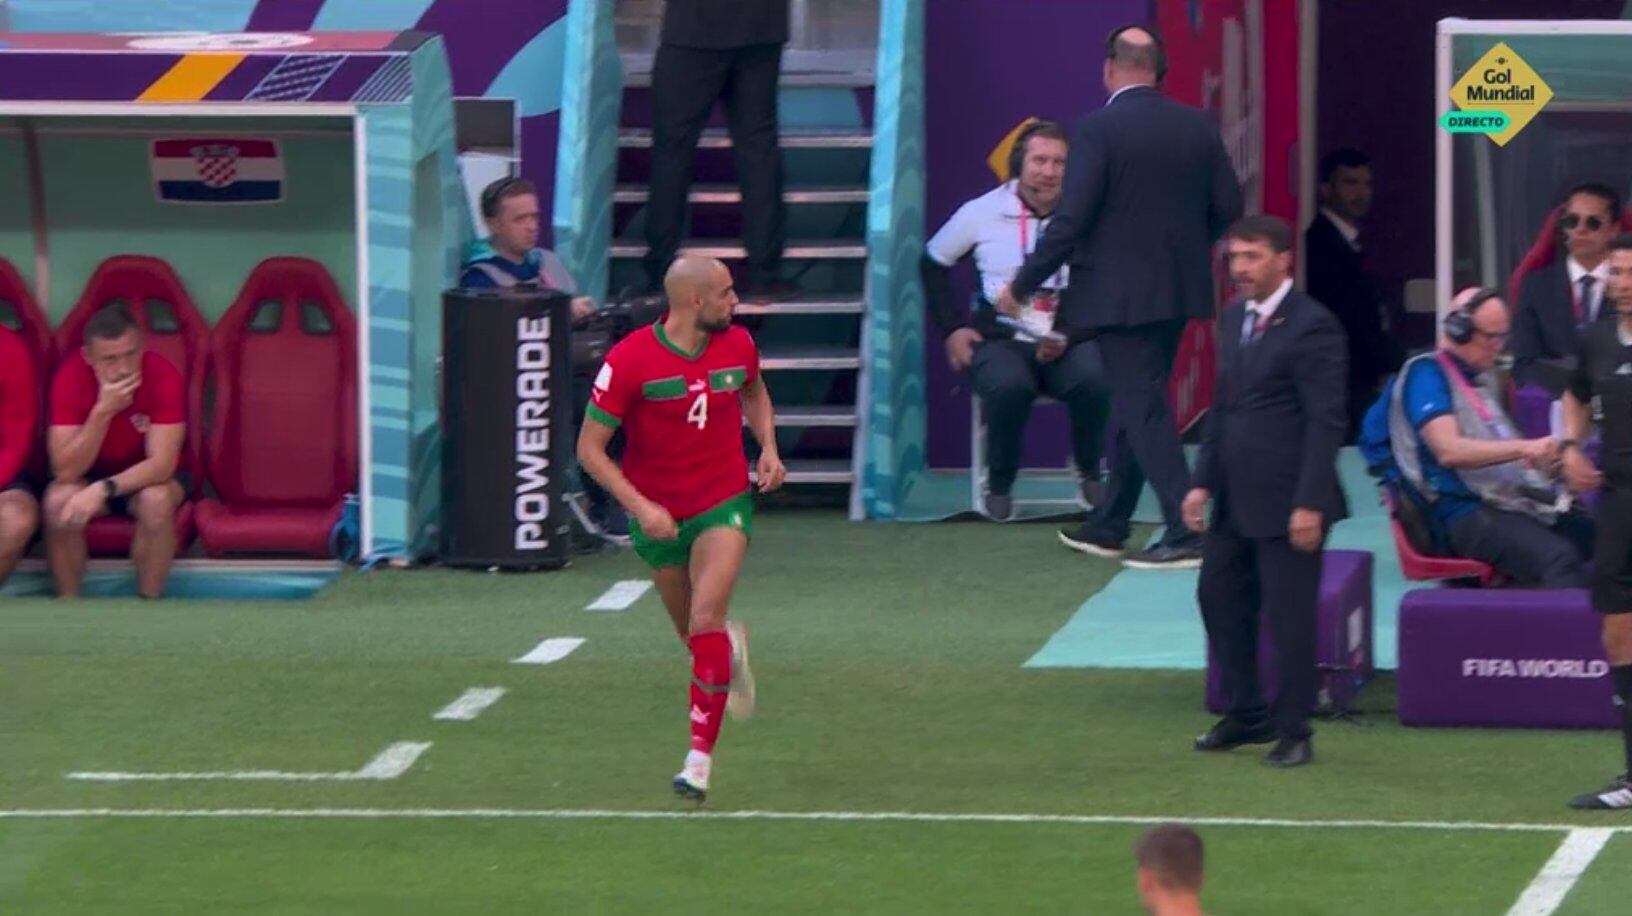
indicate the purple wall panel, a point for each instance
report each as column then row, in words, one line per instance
column 986, row 70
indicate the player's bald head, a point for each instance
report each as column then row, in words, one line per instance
column 701, row 287
column 690, row 277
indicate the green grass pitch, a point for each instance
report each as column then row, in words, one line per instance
column 889, row 666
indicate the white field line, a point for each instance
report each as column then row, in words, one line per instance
column 569, row 814
column 550, row 650
column 1553, row 883
column 621, row 595
column 391, row 763
column 470, row 704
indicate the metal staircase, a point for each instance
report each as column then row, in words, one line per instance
column 810, row 346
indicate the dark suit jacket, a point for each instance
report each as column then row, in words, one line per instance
column 723, row 24
column 1544, row 324
column 1279, row 415
column 1337, row 280
column 1148, row 189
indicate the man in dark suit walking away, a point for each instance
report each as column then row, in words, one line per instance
column 1334, row 251
column 1269, row 465
column 729, row 50
column 1148, row 189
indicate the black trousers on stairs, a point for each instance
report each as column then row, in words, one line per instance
column 685, row 84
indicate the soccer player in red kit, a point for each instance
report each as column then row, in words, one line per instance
column 19, row 413
column 679, row 389
column 118, row 420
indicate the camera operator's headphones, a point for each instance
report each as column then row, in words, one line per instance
column 1017, row 152
column 1458, row 325
column 494, row 193
column 1156, row 39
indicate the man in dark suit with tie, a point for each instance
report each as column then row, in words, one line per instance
column 1268, row 464
column 1335, row 274
column 1559, row 301
column 1148, row 189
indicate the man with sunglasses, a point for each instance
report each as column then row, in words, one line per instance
column 1560, row 300
column 1490, row 495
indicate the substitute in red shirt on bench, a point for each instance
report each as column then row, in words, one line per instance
column 19, row 417
column 118, row 421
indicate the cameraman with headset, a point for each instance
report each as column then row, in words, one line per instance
column 510, row 258
column 1010, row 360
column 1488, row 495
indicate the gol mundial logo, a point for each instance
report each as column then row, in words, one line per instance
column 1497, row 97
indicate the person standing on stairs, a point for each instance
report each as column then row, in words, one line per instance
column 1007, row 367
column 731, row 51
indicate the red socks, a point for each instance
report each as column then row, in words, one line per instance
column 710, row 683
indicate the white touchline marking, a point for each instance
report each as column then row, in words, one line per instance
column 569, row 814
column 470, row 704
column 1553, row 883
column 550, row 650
column 391, row 763
column 621, row 595
column 394, row 760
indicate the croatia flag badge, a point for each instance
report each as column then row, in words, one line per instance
column 217, row 171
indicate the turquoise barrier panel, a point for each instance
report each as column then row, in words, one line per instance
column 890, row 450
column 587, row 150
column 442, row 226
column 389, row 170
column 417, row 225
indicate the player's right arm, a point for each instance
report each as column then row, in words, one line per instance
column 79, row 420
column 616, row 390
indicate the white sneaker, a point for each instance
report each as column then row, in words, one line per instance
column 1617, row 796
column 692, row 780
column 740, row 701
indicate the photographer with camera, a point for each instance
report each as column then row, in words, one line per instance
column 510, row 258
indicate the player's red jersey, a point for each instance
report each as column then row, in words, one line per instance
column 160, row 400
column 681, row 415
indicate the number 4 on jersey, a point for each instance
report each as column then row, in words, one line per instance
column 698, row 413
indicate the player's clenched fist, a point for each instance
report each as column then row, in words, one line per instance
column 771, row 472
column 656, row 522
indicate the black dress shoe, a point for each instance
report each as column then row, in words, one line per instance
column 1180, row 553
column 1085, row 538
column 1291, row 752
column 1232, row 733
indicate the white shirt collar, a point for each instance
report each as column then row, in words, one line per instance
column 1348, row 230
column 1126, row 88
column 1599, row 273
column 1268, row 306
column 1620, row 332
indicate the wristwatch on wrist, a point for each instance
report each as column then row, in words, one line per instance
column 110, row 486
column 1565, row 445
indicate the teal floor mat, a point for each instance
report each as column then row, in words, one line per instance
column 1149, row 619
column 943, row 495
column 197, row 580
